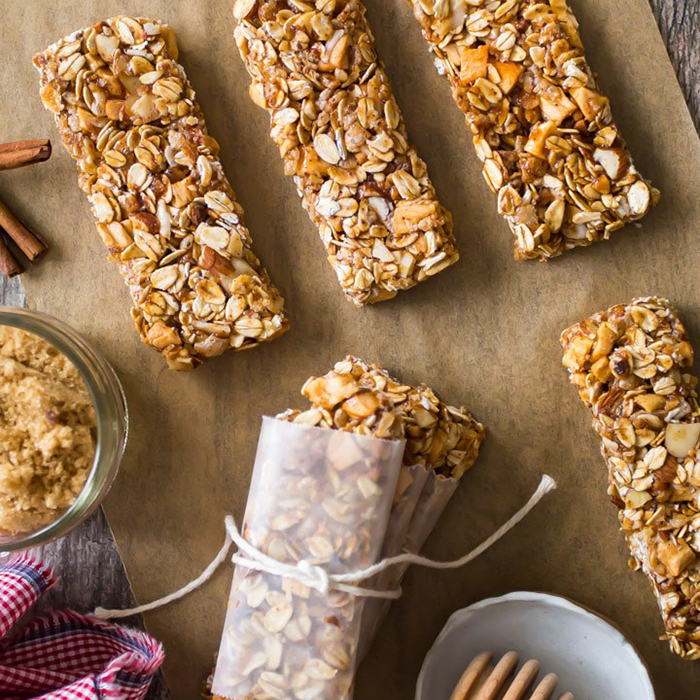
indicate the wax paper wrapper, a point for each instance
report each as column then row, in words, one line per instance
column 320, row 496
column 431, row 503
column 409, row 489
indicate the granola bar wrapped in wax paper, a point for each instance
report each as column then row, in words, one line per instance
column 319, row 498
column 442, row 444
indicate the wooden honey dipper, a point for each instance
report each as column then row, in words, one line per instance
column 484, row 681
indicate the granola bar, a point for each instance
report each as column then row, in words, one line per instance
column 442, row 443
column 166, row 212
column 630, row 366
column 340, row 133
column 322, row 497
column 545, row 133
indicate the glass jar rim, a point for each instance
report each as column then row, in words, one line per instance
column 111, row 411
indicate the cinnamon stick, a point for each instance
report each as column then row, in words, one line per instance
column 25, row 240
column 9, row 264
column 19, row 153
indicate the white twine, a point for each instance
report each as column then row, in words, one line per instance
column 317, row 577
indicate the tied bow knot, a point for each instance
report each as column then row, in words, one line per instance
column 317, row 577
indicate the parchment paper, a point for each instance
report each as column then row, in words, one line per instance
column 485, row 332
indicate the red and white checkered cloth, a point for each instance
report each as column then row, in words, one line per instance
column 63, row 655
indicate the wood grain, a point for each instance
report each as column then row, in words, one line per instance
column 87, row 560
column 679, row 22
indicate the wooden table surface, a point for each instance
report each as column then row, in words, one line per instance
column 87, row 561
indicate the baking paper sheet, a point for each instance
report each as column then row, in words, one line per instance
column 485, row 333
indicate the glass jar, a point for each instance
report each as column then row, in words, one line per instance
column 111, row 414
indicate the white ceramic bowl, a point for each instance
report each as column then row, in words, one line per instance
column 592, row 658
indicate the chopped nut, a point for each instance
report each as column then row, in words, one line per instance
column 682, row 438
column 361, row 405
column 329, row 391
column 651, row 403
column 590, row 102
column 577, row 351
column 636, row 499
column 615, row 161
column 601, row 369
column 675, row 556
column 409, row 215
column 604, row 341
column 639, row 198
column 538, row 138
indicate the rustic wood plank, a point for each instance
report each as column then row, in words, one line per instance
column 679, row 22
column 87, row 560
column 11, row 292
